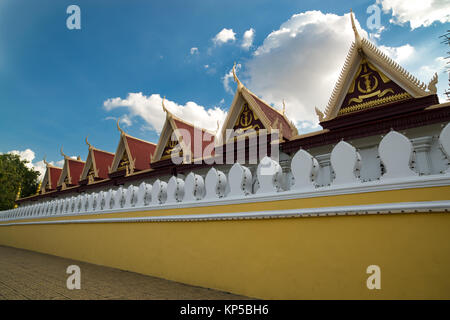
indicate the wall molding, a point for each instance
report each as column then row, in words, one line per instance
column 385, row 208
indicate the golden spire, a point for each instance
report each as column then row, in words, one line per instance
column 119, row 128
column 62, row 153
column 39, row 187
column 19, row 191
column 239, row 83
column 87, row 142
column 284, row 108
column 357, row 37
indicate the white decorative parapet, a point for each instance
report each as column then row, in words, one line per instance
column 395, row 152
column 346, row 163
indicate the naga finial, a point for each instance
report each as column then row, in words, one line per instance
column 320, row 114
column 169, row 114
column 432, row 84
column 284, row 108
column 118, row 126
column 87, row 142
column 357, row 37
column 63, row 154
column 240, row 86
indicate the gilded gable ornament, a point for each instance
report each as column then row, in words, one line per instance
column 370, row 88
column 247, row 120
column 124, row 162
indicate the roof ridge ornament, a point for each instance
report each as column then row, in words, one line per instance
column 319, row 114
column 432, row 84
column 87, row 142
column 284, row 108
column 358, row 41
column 45, row 160
column 169, row 114
column 236, row 79
column 63, row 154
column 119, row 128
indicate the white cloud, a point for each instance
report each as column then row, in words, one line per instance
column 224, row 36
column 399, row 54
column 194, row 50
column 247, row 40
column 417, row 12
column 229, row 77
column 301, row 61
column 29, row 155
column 149, row 108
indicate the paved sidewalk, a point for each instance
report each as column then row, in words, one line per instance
column 31, row 275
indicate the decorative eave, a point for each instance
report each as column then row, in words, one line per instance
column 360, row 48
column 242, row 92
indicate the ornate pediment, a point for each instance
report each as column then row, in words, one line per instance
column 370, row 88
column 171, row 146
column 371, row 79
column 247, row 120
column 124, row 163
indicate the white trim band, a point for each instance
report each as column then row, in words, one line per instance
column 385, row 208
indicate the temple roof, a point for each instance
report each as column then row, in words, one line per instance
column 51, row 177
column 71, row 172
column 258, row 114
column 132, row 153
column 371, row 79
column 97, row 164
column 184, row 134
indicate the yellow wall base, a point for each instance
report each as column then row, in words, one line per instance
column 296, row 258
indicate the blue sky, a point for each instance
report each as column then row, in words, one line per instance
column 58, row 85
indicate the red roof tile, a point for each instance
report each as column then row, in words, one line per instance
column 103, row 160
column 140, row 152
column 55, row 173
column 189, row 129
column 76, row 168
column 272, row 115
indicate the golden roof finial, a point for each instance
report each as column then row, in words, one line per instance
column 119, row 128
column 45, row 160
column 284, row 108
column 63, row 154
column 169, row 114
column 240, row 86
column 357, row 37
column 87, row 142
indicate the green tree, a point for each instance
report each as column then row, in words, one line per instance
column 14, row 174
